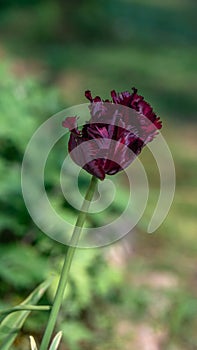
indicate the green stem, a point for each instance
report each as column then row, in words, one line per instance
column 25, row 308
column 67, row 264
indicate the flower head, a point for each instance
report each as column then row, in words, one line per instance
column 115, row 134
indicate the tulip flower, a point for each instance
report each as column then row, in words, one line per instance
column 115, row 134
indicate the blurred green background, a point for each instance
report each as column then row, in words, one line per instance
column 139, row 293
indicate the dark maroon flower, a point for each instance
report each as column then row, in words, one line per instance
column 115, row 134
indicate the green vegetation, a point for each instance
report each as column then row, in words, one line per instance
column 51, row 51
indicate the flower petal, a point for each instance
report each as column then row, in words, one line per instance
column 70, row 123
column 115, row 133
column 95, row 168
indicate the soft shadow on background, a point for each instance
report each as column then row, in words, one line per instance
column 141, row 292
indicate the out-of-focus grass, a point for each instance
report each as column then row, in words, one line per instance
column 164, row 262
column 152, row 46
column 159, row 285
column 166, row 77
column 180, row 227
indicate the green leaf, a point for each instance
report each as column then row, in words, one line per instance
column 56, row 341
column 54, row 345
column 33, row 343
column 11, row 325
column 5, row 312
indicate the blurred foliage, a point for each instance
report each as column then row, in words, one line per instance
column 101, row 45
column 21, row 110
column 105, row 44
column 14, row 321
column 24, row 250
column 114, row 20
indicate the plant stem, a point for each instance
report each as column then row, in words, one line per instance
column 67, row 264
column 25, row 308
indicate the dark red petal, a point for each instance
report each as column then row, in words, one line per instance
column 95, row 168
column 97, row 99
column 72, row 143
column 108, row 124
column 158, row 123
column 145, row 109
column 122, row 98
column 88, row 95
column 114, row 96
column 96, row 131
column 70, row 123
column 111, row 167
column 134, row 90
